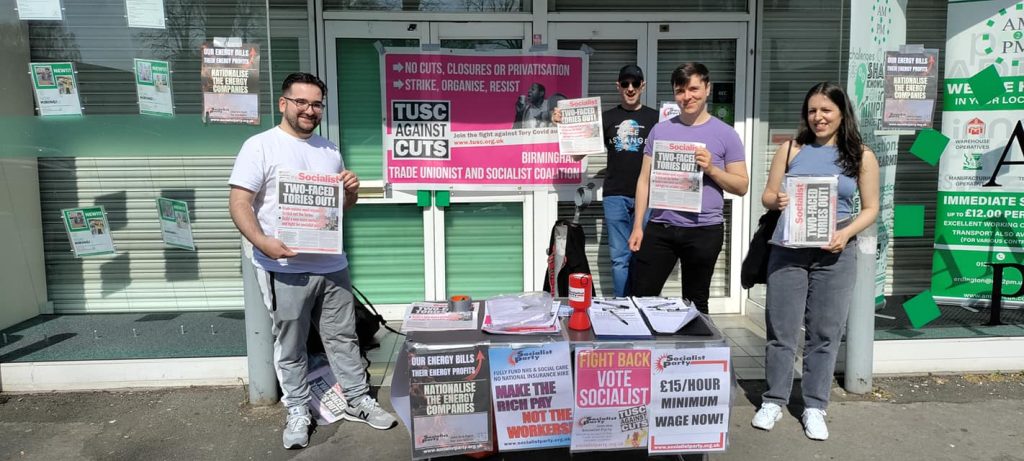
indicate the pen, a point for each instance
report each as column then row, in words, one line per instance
column 624, row 322
column 656, row 306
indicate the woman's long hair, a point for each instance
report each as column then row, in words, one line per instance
column 848, row 140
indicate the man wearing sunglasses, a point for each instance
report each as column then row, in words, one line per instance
column 301, row 289
column 626, row 127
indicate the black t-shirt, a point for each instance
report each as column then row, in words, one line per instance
column 625, row 133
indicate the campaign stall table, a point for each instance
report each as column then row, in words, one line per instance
column 451, row 396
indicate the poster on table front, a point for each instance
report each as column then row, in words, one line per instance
column 175, row 225
column 979, row 217
column 88, row 231
column 449, row 401
column 461, row 119
column 613, row 391
column 39, row 10
column 689, row 409
column 532, row 390
column 230, row 79
column 677, row 183
column 153, row 87
column 56, row 88
column 911, row 78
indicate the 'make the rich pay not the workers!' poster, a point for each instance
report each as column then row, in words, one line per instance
column 477, row 120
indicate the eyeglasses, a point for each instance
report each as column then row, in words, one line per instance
column 302, row 104
column 631, row 83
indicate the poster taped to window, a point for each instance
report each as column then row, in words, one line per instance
column 230, row 79
column 580, row 131
column 310, row 207
column 677, row 183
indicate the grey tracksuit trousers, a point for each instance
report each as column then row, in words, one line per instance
column 296, row 301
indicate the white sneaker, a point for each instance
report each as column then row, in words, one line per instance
column 296, row 430
column 767, row 416
column 814, row 424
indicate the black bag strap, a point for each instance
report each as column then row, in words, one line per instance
column 789, row 150
column 366, row 302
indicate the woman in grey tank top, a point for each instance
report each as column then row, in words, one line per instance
column 811, row 287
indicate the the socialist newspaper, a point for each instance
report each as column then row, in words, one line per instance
column 810, row 217
column 677, row 183
column 310, row 207
column 580, row 131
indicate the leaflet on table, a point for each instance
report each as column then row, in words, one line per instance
column 39, row 10
column 615, row 318
column 689, row 411
column 580, row 132
column 88, row 231
column 55, row 88
column 175, row 226
column 327, row 399
column 146, row 13
column 532, row 390
column 522, row 313
column 810, row 219
column 677, row 183
column 667, row 315
column 449, row 401
column 613, row 391
column 310, row 207
column 438, row 316
column 153, row 86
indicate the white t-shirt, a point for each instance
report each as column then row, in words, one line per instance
column 256, row 170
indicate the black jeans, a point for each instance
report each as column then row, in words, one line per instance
column 696, row 249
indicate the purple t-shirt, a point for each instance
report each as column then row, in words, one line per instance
column 725, row 147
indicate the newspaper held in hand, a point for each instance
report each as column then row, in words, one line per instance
column 617, row 318
column 439, row 316
column 810, row 219
column 580, row 131
column 327, row 401
column 309, row 204
column 667, row 315
column 677, row 183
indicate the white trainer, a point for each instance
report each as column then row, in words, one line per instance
column 814, row 424
column 767, row 416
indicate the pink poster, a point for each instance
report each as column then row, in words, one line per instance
column 476, row 120
column 613, row 391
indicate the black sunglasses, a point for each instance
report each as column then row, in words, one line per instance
column 629, row 83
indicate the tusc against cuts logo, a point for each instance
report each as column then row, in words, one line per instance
column 421, row 130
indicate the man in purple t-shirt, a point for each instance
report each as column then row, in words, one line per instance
column 693, row 239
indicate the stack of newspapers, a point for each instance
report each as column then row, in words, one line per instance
column 439, row 316
column 523, row 314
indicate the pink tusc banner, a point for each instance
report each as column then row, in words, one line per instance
column 474, row 120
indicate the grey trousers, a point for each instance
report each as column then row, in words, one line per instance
column 296, row 301
column 812, row 288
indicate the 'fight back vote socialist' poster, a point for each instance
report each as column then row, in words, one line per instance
column 532, row 389
column 613, row 391
column 470, row 120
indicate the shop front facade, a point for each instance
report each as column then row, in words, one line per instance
column 403, row 245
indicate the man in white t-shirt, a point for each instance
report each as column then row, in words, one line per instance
column 301, row 289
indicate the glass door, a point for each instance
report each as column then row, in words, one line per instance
column 402, row 250
column 658, row 48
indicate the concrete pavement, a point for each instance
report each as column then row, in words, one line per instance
column 910, row 418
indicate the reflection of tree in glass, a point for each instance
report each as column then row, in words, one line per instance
column 479, row 6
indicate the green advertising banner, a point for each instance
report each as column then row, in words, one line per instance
column 980, row 211
column 876, row 26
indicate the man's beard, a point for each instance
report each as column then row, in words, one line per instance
column 298, row 128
